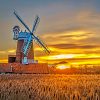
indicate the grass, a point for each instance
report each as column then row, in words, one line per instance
column 49, row 87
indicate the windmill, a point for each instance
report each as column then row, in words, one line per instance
column 24, row 53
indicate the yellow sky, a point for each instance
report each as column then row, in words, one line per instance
column 62, row 50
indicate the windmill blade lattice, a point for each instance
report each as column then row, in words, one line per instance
column 27, row 45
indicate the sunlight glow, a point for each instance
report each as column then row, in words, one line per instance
column 79, row 32
column 56, row 57
column 62, row 66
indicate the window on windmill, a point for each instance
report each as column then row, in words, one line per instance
column 16, row 34
column 16, row 30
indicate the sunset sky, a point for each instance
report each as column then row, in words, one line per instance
column 70, row 28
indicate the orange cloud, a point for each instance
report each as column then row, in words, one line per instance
column 12, row 51
column 3, row 60
column 2, row 52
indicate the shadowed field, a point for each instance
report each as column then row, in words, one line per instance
column 49, row 87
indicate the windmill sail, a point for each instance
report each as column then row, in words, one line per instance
column 41, row 44
column 27, row 45
column 35, row 24
column 19, row 18
column 32, row 36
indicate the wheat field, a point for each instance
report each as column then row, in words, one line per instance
column 49, row 87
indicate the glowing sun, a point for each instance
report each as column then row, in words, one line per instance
column 62, row 66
